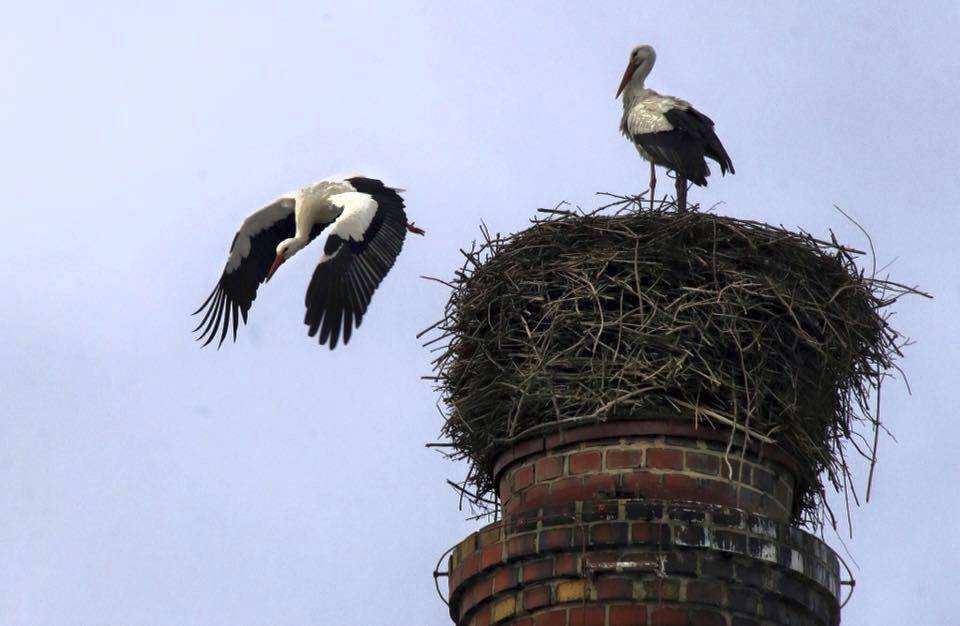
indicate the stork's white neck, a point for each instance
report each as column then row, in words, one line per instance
column 635, row 90
column 289, row 247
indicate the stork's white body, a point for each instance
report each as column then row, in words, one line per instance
column 644, row 111
column 313, row 204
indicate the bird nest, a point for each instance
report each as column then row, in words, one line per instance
column 632, row 313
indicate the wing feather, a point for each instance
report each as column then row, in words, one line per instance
column 685, row 145
column 361, row 248
column 251, row 253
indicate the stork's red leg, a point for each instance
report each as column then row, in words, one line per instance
column 653, row 182
column 414, row 229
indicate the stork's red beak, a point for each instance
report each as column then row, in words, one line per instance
column 277, row 262
column 627, row 75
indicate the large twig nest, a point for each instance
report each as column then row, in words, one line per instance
column 641, row 313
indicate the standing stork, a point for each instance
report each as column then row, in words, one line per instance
column 667, row 131
column 366, row 226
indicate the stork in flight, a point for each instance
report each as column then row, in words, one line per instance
column 365, row 225
column 667, row 131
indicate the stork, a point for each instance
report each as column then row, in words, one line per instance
column 365, row 225
column 667, row 131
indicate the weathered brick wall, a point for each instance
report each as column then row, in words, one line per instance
column 668, row 468
column 614, row 525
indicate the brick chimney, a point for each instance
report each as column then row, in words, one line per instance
column 593, row 367
column 644, row 522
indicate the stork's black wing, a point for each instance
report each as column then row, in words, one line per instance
column 683, row 149
column 253, row 249
column 361, row 247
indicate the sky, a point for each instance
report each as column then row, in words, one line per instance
column 146, row 481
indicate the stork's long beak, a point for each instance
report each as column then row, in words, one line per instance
column 277, row 262
column 627, row 75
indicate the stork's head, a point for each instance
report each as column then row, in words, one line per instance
column 285, row 249
column 638, row 66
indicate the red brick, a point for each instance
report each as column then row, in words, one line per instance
column 540, row 569
column 717, row 492
column 471, row 566
column 614, row 588
column 680, row 487
column 591, row 487
column 669, row 616
column 624, row 459
column 707, row 618
column 649, row 533
column 567, row 489
column 600, row 486
column 482, row 618
column 628, row 616
column 536, row 496
column 662, row 458
column 510, row 505
column 586, row 616
column 567, row 565
column 522, row 477
column 506, row 578
column 549, row 468
column 481, row 590
column 703, row 463
column 641, row 484
column 491, row 555
column 522, row 522
column 522, row 545
column 526, row 621
column 609, row 534
column 556, row 617
column 536, row 597
column 584, row 462
column 555, row 539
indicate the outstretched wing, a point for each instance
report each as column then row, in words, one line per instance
column 361, row 247
column 253, row 250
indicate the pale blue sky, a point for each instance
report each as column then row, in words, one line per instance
column 144, row 481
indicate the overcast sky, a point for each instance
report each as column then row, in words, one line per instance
column 145, row 481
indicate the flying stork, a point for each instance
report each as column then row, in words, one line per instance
column 365, row 225
column 667, row 131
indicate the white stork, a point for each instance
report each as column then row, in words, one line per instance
column 667, row 131
column 367, row 226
